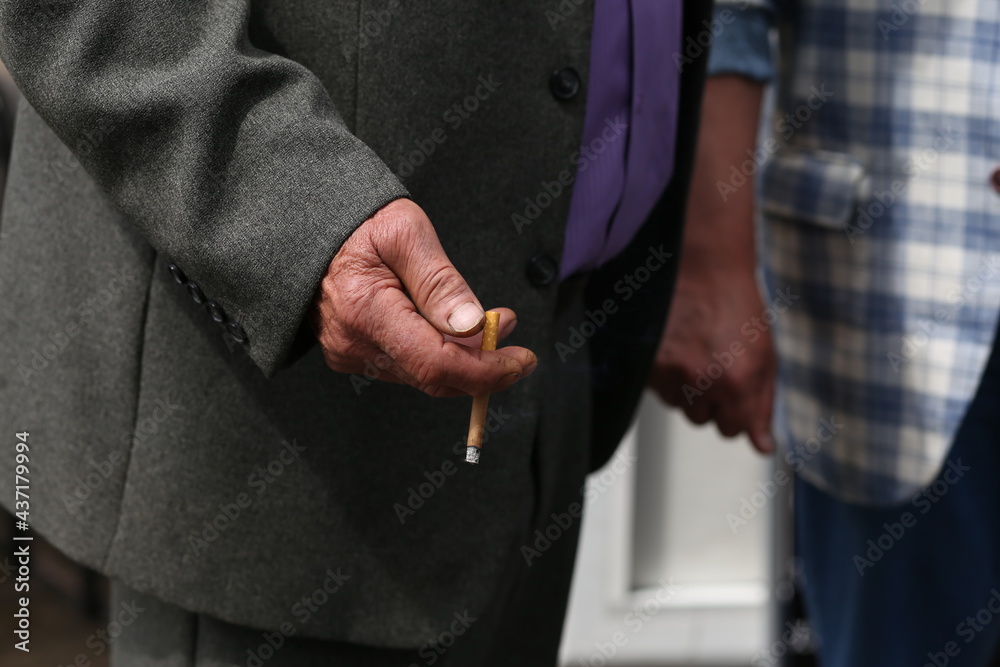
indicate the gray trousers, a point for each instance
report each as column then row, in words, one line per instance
column 521, row 627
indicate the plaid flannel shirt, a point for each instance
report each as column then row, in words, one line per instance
column 880, row 213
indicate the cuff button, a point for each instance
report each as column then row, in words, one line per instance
column 216, row 312
column 196, row 294
column 176, row 272
column 237, row 333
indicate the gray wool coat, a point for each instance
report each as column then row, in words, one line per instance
column 183, row 172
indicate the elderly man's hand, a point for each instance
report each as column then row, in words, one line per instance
column 391, row 303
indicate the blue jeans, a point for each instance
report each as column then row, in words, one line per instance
column 917, row 584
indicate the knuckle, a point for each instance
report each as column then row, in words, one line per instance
column 738, row 380
column 427, row 373
column 499, row 363
column 683, row 370
column 352, row 309
column 355, row 295
column 335, row 343
column 352, row 287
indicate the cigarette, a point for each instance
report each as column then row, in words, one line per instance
column 477, row 423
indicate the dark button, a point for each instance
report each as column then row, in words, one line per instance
column 565, row 83
column 995, row 179
column 196, row 293
column 542, row 270
column 216, row 311
column 176, row 272
column 234, row 329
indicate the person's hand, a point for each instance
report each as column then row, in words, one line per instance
column 714, row 362
column 392, row 304
column 705, row 336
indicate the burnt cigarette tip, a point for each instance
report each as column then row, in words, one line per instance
column 472, row 454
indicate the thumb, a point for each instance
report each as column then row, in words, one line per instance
column 434, row 284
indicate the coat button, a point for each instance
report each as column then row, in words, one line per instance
column 176, row 272
column 995, row 179
column 196, row 293
column 565, row 83
column 542, row 270
column 237, row 333
column 216, row 312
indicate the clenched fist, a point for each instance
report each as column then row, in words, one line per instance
column 716, row 295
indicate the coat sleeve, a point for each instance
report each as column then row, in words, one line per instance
column 232, row 162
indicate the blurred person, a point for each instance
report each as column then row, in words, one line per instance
column 203, row 191
column 878, row 183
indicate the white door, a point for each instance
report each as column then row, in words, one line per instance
column 679, row 550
